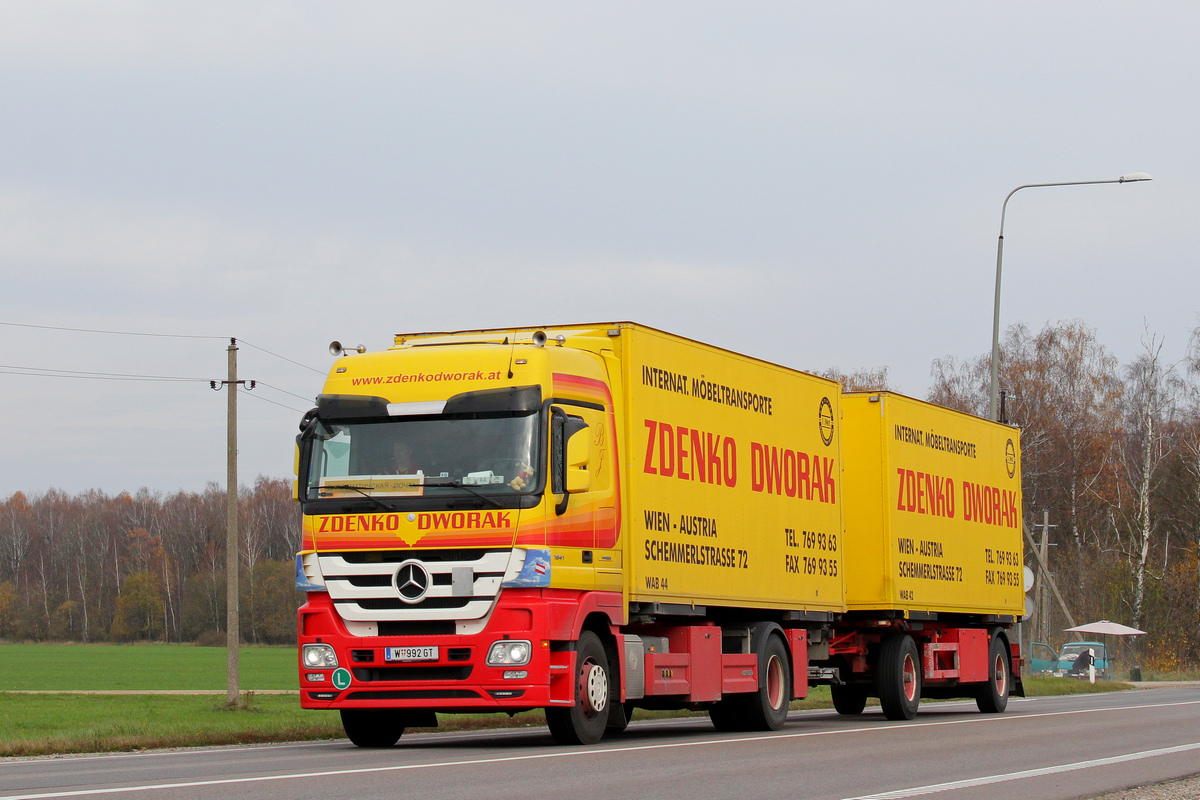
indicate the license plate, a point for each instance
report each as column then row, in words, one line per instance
column 410, row 653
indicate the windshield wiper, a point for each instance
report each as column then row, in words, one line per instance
column 359, row 489
column 457, row 484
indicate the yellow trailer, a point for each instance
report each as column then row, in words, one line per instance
column 933, row 508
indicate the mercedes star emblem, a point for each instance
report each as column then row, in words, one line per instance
column 412, row 581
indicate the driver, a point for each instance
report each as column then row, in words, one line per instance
column 404, row 458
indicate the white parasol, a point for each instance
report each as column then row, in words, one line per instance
column 1106, row 627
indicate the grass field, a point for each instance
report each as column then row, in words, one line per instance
column 42, row 724
column 60, row 667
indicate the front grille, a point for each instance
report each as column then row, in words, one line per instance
column 370, row 580
column 462, row 584
column 427, row 556
column 362, row 656
column 429, row 602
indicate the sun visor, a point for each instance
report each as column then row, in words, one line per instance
column 513, row 398
column 351, row 406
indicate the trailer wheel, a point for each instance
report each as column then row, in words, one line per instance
column 993, row 695
column 898, row 677
column 848, row 700
column 584, row 723
column 371, row 727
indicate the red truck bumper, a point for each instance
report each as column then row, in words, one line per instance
column 458, row 680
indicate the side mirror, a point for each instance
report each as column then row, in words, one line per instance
column 568, row 457
column 579, row 478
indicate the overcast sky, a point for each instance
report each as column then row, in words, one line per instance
column 816, row 184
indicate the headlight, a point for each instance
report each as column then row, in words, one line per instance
column 509, row 653
column 319, row 656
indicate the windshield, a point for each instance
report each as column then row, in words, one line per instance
column 1073, row 650
column 420, row 456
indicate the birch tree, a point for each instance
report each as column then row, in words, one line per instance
column 1149, row 410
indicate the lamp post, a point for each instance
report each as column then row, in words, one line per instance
column 992, row 406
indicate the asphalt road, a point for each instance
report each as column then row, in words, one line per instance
column 1059, row 747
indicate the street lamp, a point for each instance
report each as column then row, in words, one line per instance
column 992, row 406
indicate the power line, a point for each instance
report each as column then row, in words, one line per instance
column 248, row 393
column 285, row 391
column 43, row 372
column 158, row 336
column 285, row 358
column 110, row 333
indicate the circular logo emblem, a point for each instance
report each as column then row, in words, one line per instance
column 1010, row 458
column 341, row 678
column 412, row 517
column 825, row 421
column 412, row 581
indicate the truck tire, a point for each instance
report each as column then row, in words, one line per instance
column 766, row 709
column 726, row 715
column 372, row 727
column 898, row 677
column 848, row 700
column 993, row 695
column 584, row 722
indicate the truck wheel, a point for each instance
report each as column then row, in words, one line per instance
column 371, row 727
column 584, row 722
column 767, row 709
column 848, row 700
column 726, row 715
column 993, row 695
column 898, row 677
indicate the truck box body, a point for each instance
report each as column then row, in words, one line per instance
column 734, row 478
column 933, row 508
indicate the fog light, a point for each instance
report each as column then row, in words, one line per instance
column 314, row 677
column 515, row 674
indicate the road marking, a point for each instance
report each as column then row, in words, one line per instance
column 1029, row 773
column 583, row 753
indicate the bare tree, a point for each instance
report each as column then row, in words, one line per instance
column 1190, row 443
column 860, row 380
column 1149, row 409
column 16, row 534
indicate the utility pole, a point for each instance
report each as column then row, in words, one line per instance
column 232, row 538
column 1043, row 595
column 1046, row 572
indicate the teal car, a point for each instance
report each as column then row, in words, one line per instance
column 1069, row 659
column 1044, row 660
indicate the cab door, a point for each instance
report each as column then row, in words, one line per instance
column 582, row 486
